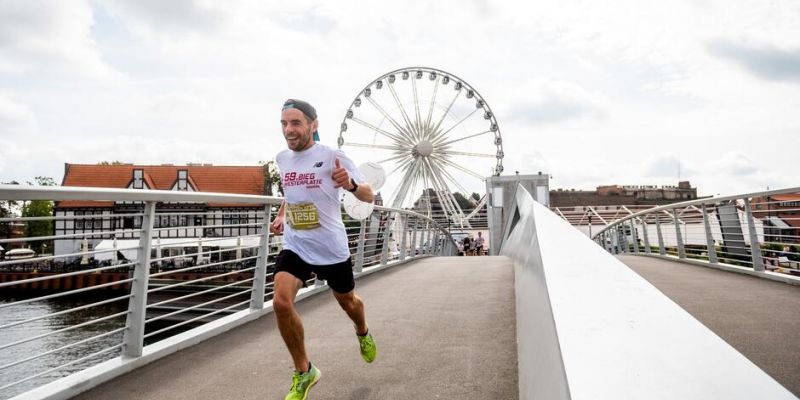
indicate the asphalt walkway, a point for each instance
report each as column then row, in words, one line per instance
column 758, row 317
column 445, row 329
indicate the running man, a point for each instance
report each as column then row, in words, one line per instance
column 314, row 237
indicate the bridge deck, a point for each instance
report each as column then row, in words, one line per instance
column 760, row 318
column 445, row 329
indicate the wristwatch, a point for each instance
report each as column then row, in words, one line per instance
column 355, row 186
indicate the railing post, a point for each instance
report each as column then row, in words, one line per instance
column 678, row 237
column 711, row 249
column 133, row 338
column 414, row 239
column 431, row 240
column 260, row 273
column 428, row 234
column 634, row 236
column 386, row 234
column 403, row 223
column 661, row 249
column 362, row 235
column 624, row 237
column 646, row 237
column 755, row 248
column 423, row 232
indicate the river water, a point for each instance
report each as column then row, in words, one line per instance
column 21, row 312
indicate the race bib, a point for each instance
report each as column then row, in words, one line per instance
column 303, row 216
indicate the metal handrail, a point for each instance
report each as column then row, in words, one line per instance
column 212, row 285
column 710, row 200
column 745, row 239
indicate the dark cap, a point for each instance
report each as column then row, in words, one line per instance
column 301, row 105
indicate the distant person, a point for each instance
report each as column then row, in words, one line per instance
column 314, row 237
column 479, row 244
column 465, row 245
column 471, row 246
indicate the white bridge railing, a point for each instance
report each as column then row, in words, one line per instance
column 118, row 278
column 588, row 327
column 754, row 233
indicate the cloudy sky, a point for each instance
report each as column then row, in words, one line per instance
column 592, row 92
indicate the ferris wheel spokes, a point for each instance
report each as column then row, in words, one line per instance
column 433, row 103
column 374, row 146
column 378, row 130
column 460, row 139
column 426, row 139
column 399, row 104
column 465, row 153
column 463, row 169
column 446, row 198
column 443, row 133
column 409, row 178
column 446, row 111
column 392, row 121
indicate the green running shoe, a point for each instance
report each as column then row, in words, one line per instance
column 368, row 348
column 302, row 383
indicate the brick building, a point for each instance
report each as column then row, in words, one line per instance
column 781, row 216
column 624, row 195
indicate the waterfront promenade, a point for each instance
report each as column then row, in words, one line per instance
column 445, row 329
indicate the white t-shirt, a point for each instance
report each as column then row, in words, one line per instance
column 306, row 177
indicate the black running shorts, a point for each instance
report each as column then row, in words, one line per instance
column 339, row 275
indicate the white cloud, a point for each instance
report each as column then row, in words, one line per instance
column 550, row 102
column 591, row 92
column 50, row 40
column 14, row 115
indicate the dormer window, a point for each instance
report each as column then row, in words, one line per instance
column 138, row 179
column 183, row 176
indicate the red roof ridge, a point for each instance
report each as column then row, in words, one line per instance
column 247, row 179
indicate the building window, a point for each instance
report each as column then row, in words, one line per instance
column 138, row 179
column 78, row 221
column 182, row 178
column 98, row 223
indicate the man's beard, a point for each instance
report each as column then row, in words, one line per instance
column 302, row 141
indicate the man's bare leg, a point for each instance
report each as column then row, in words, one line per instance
column 289, row 322
column 354, row 307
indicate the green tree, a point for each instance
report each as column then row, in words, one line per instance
column 7, row 211
column 463, row 202
column 272, row 178
column 39, row 208
column 476, row 196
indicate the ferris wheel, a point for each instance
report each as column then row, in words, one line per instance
column 433, row 134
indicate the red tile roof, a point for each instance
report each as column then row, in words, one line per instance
column 205, row 178
column 785, row 197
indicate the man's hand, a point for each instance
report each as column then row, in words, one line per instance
column 276, row 227
column 341, row 177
